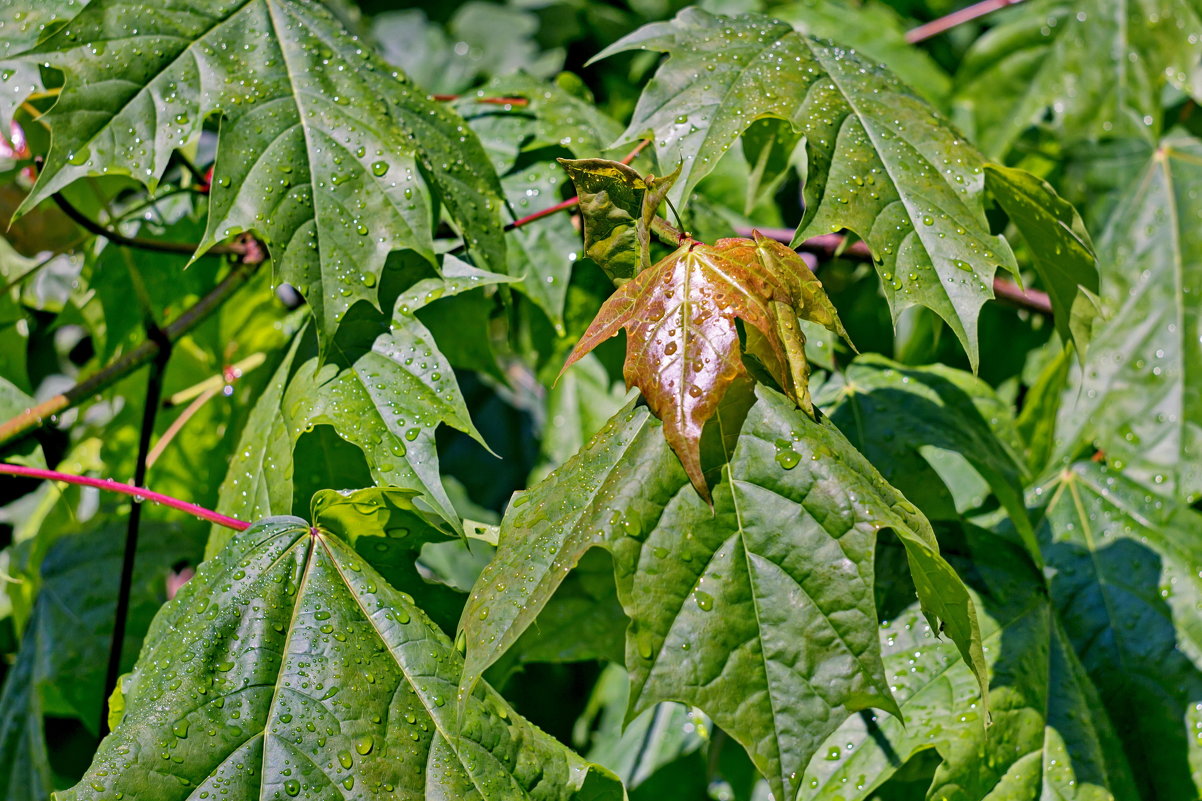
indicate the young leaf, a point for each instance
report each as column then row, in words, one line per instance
column 324, row 152
column 1063, row 254
column 881, row 162
column 1124, row 579
column 340, row 684
column 617, row 205
column 1139, row 398
column 759, row 610
column 683, row 346
column 1098, row 66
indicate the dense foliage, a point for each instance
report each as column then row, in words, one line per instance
column 743, row 400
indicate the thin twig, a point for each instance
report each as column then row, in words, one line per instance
column 184, row 248
column 828, row 246
column 154, row 392
column 946, row 23
column 32, row 418
column 496, row 101
column 125, row 489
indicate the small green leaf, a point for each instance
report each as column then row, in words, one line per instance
column 288, row 665
column 618, row 205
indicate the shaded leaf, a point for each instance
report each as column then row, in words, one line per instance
column 60, row 669
column 1127, row 588
column 323, row 152
column 1139, row 397
column 617, row 205
column 760, row 611
column 893, row 413
column 340, row 683
column 1063, row 254
column 683, row 346
column 1098, row 66
column 881, row 162
column 386, row 401
column 1048, row 739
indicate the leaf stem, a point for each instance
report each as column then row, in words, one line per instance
column 129, row 555
column 125, row 489
column 34, row 417
column 946, row 23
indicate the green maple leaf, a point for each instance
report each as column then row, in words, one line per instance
column 324, row 151
column 759, row 609
column 1139, row 397
column 289, row 667
column 881, row 161
column 1098, row 66
column 683, row 349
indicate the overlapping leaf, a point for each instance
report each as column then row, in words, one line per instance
column 1125, row 581
column 1139, row 397
column 1048, row 741
column 881, row 162
column 64, row 650
column 289, row 668
column 892, row 414
column 617, row 206
column 1060, row 246
column 387, row 402
column 324, row 152
column 22, row 24
column 683, row 348
column 1098, row 66
column 759, row 610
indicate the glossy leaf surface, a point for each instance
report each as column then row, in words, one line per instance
column 759, row 610
column 1139, row 398
column 1062, row 253
column 340, row 682
column 329, row 165
column 683, row 348
column 1048, row 740
column 1098, row 66
column 881, row 162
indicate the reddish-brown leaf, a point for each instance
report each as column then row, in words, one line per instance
column 682, row 350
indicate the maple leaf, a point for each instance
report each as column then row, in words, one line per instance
column 683, row 349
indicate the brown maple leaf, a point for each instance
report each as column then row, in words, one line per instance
column 683, row 348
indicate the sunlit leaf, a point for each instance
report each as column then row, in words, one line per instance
column 881, row 162
column 289, row 666
column 323, row 151
column 759, row 610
